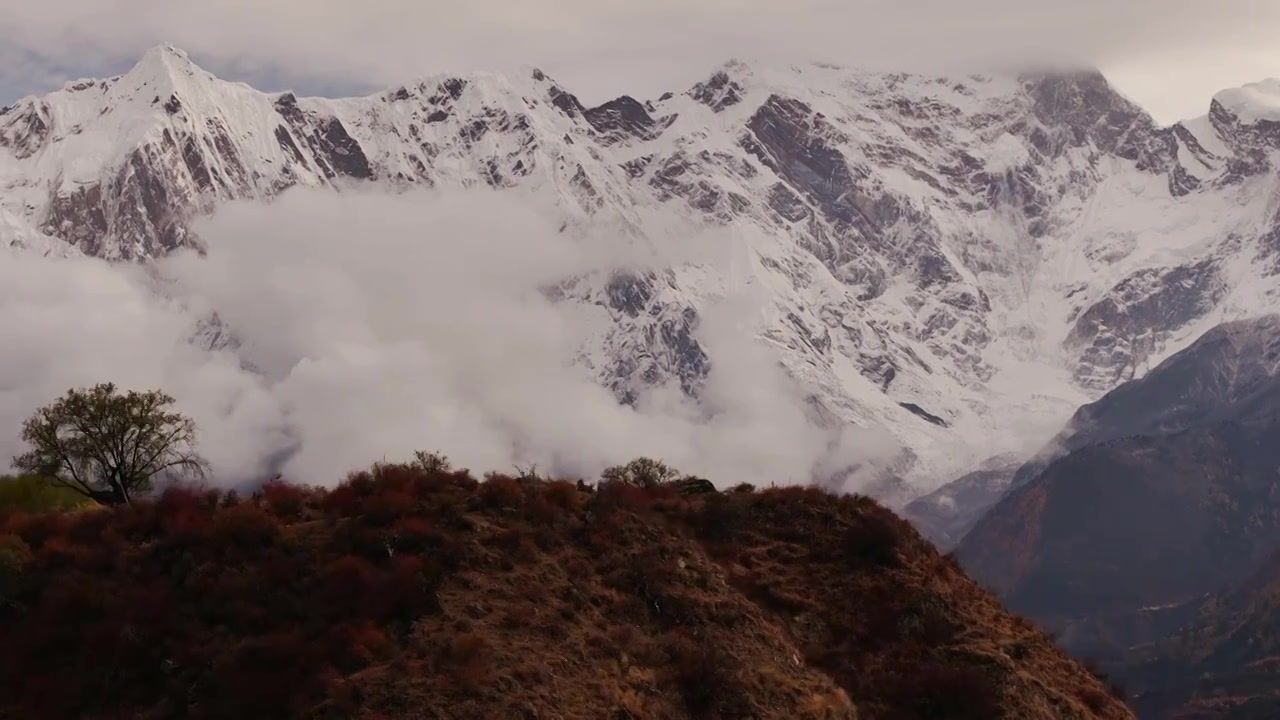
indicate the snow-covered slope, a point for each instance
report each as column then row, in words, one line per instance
column 962, row 261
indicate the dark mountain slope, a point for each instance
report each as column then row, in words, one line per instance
column 1223, row 662
column 1228, row 374
column 1138, row 522
column 1168, row 494
column 1168, row 491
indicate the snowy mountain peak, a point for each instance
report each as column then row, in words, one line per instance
column 960, row 260
column 1253, row 103
column 161, row 66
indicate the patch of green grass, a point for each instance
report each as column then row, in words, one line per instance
column 26, row 493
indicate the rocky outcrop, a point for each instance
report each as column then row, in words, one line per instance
column 623, row 119
column 1115, row 337
column 718, row 92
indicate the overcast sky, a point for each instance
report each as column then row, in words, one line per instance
column 1169, row 55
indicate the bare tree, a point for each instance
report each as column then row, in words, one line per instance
column 642, row 472
column 109, row 446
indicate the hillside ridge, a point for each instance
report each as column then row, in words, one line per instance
column 417, row 591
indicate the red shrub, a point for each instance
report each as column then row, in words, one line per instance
column 396, row 477
column 501, row 491
column 59, row 552
column 539, row 510
column 409, row 589
column 36, row 530
column 265, row 677
column 415, row 535
column 183, row 514
column 91, row 527
column 138, row 521
column 285, row 501
column 347, row 586
column 354, row 646
column 383, row 509
column 462, row 480
column 623, row 496
column 146, row 603
column 361, row 483
column 376, row 544
column 244, row 526
column 343, row 501
column 563, row 494
column 430, row 482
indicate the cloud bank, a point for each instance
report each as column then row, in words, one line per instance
column 370, row 326
column 1171, row 55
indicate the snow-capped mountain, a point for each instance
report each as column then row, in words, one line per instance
column 962, row 261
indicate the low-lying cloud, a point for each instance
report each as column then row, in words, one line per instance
column 369, row 326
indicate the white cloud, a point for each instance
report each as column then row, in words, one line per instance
column 77, row 322
column 1170, row 55
column 379, row 325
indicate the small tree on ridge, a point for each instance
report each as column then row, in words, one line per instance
column 109, row 446
column 642, row 472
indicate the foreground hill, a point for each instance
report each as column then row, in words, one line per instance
column 413, row 591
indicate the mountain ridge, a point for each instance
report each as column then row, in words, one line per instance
column 1145, row 537
column 990, row 251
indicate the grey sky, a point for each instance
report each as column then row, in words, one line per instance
column 1169, row 55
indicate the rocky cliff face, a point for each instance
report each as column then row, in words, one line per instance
column 954, row 259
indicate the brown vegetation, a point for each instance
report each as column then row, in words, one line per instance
column 417, row 591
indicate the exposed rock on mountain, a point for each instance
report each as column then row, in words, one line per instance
column 961, row 261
